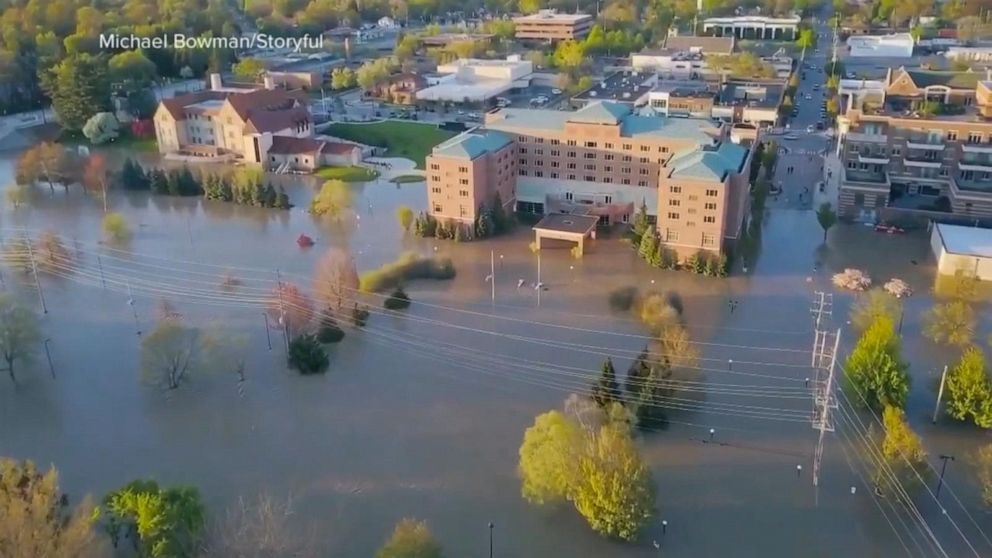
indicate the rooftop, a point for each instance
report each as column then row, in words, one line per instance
column 954, row 80
column 683, row 88
column 472, row 144
column 701, row 131
column 709, row 163
column 623, row 87
column 706, row 45
column 966, row 241
column 551, row 16
column 566, row 223
column 762, row 94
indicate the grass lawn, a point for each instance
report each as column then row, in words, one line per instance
column 347, row 174
column 405, row 178
column 401, row 139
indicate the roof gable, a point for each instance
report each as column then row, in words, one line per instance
column 600, row 112
column 473, row 144
column 709, row 164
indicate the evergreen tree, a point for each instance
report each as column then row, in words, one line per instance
column 656, row 256
column 282, row 200
column 637, row 374
column 969, row 389
column 188, row 184
column 648, row 246
column 270, row 195
column 484, row 226
column 211, row 187
column 501, row 221
column 640, row 221
column 874, row 368
column 133, row 176
column 173, row 186
column 159, row 182
column 258, row 195
column 459, row 233
column 649, row 406
column 606, row 390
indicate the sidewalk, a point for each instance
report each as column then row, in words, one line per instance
column 831, row 178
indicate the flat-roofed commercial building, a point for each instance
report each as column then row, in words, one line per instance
column 604, row 160
column 924, row 148
column 962, row 250
column 549, row 25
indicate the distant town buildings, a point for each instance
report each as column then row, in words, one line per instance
column 753, row 27
column 896, row 45
column 603, row 161
column 972, row 54
column 924, row 146
column 550, row 26
column 473, row 80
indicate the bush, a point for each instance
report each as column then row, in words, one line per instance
column 359, row 316
column 407, row 267
column 329, row 331
column 398, row 300
column 622, row 299
column 307, row 356
column 115, row 227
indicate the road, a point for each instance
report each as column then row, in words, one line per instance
column 801, row 161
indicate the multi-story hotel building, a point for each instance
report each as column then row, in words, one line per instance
column 603, row 160
column 922, row 142
column 549, row 25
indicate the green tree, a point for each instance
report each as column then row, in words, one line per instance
column 248, row 68
column 950, row 323
column 615, row 493
column 874, row 368
column 872, row 304
column 20, row 333
column 164, row 522
column 131, row 70
column 648, row 245
column 827, row 218
column 79, row 87
column 410, row 539
column 37, row 521
column 547, row 458
column 969, row 389
column 528, row 6
column 372, row 73
column 343, row 78
column 569, row 55
column 606, row 390
column 333, row 199
column 806, row 39
column 902, row 453
column 640, row 221
column 307, row 356
column 115, row 227
column 983, row 466
column 405, row 216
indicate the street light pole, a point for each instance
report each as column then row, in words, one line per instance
column 491, row 539
column 940, row 482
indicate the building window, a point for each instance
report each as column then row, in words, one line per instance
column 627, row 146
column 591, row 144
column 607, row 180
column 539, row 162
column 554, row 164
column 672, row 215
column 608, row 156
column 644, row 172
column 624, row 181
column 436, row 189
column 568, row 196
column 974, row 137
column 436, row 178
column 437, row 208
column 461, row 211
column 671, row 235
column 463, row 193
column 709, row 239
column 590, row 167
column 690, row 223
column 571, row 143
column 571, row 154
column 710, row 205
column 709, row 219
column 571, row 177
column 524, row 139
column 538, row 174
column 625, row 170
column 664, row 150
column 627, row 158
column 555, row 153
column 555, row 142
column 675, row 189
column 523, row 172
column 570, row 165
column 712, row 193
column 896, row 151
column 462, row 169
column 523, row 150
column 645, row 160
column 463, row 181
column 538, row 152
column 589, row 178
column 645, row 148
column 435, row 166
column 523, row 161
column 952, row 135
column 554, row 175
column 674, row 203
column 608, row 145
column 538, row 140
column 691, row 211
column 642, row 182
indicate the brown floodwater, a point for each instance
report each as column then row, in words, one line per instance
column 422, row 413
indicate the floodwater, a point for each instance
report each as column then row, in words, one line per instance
column 422, row 413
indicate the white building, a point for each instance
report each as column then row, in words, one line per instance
column 670, row 63
column 977, row 54
column 896, row 45
column 474, row 81
column 754, row 26
column 966, row 250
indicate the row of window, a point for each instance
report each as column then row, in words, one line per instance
column 708, row 206
column 587, row 178
column 709, row 193
column 591, row 144
column 588, row 155
column 587, row 166
column 707, row 240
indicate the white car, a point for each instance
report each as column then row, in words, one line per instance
column 810, row 129
column 556, row 91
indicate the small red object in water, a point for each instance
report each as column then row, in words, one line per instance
column 304, row 241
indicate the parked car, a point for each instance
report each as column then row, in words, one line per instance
column 556, row 91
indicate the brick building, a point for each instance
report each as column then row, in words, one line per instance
column 603, row 160
column 549, row 25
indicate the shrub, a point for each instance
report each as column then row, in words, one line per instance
column 329, row 331
column 622, row 299
column 115, row 227
column 407, row 267
column 359, row 316
column 405, row 216
column 398, row 300
column 307, row 356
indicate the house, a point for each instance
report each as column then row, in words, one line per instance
column 400, row 89
column 230, row 123
column 309, row 154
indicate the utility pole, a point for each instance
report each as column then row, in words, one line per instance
column 824, row 401
column 492, row 274
column 940, row 482
column 282, row 311
column 37, row 283
column 491, row 539
column 940, row 394
column 99, row 263
column 134, row 310
column 48, row 355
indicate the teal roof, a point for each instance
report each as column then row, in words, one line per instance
column 600, row 112
column 708, row 163
column 632, row 125
column 472, row 144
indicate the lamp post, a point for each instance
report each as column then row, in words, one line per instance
column 491, row 539
column 940, row 482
